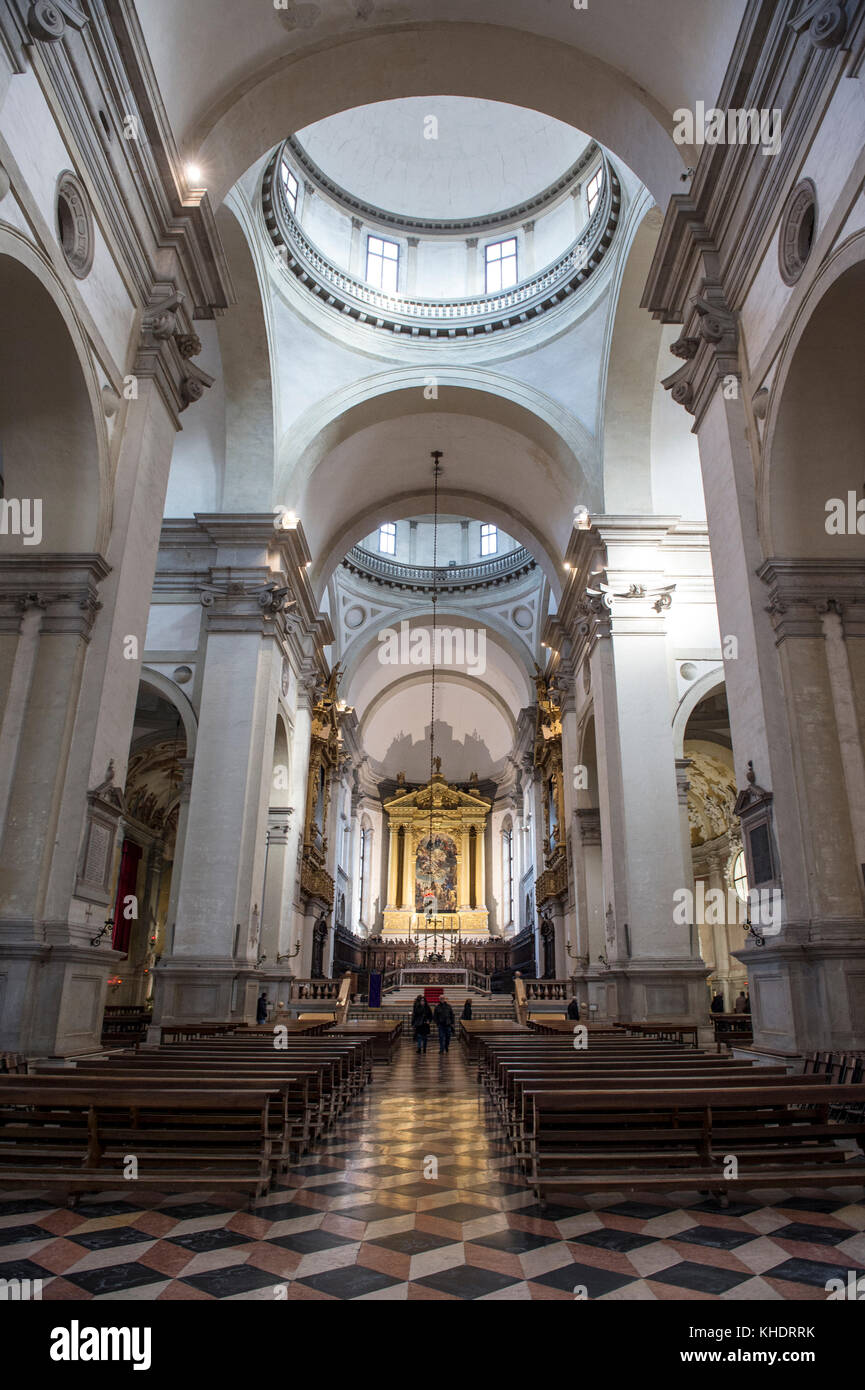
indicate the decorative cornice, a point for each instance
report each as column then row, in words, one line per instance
column 437, row 318
column 825, row 20
column 801, row 591
column 440, row 226
column 709, row 349
column 484, row 574
column 63, row 587
column 122, row 144
column 166, row 346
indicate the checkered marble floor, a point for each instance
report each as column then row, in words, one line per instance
column 416, row 1196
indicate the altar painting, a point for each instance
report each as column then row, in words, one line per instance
column 436, row 875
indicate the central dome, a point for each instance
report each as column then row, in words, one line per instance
column 443, row 158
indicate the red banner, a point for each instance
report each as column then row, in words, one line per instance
column 130, row 857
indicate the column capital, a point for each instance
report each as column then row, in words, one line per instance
column 63, row 587
column 803, row 592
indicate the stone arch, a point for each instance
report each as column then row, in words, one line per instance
column 360, row 649
column 52, row 420
column 175, row 696
column 817, row 412
column 341, row 483
column 707, row 684
column 476, row 60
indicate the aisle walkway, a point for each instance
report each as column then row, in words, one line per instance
column 363, row 1219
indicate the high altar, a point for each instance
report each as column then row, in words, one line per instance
column 436, row 865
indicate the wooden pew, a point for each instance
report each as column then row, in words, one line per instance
column 72, row 1139
column 289, row 1115
column 520, row 1081
column 780, row 1135
column 676, row 1031
column 383, row 1033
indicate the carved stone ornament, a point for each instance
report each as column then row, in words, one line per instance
column 825, row 20
column 47, row 19
column 108, row 790
column 715, row 320
column 685, row 348
column 798, row 230
column 162, row 319
column 683, row 393
column 760, row 403
column 74, row 224
column 273, row 599
column 191, row 390
column 188, row 344
column 829, row 27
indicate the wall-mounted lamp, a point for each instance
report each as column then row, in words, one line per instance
column 103, row 931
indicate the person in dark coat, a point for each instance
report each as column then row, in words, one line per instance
column 444, row 1017
column 261, row 1008
column 467, row 1010
column 574, row 1011
column 421, row 1018
column 717, row 1004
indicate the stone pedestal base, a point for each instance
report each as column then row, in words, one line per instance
column 52, row 997
column 640, row 992
column 807, row 990
column 206, row 990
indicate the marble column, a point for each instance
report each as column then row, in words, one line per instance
column 218, row 915
column 653, row 958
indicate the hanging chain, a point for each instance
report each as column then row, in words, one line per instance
column 437, row 468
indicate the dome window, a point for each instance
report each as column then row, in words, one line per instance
column 387, row 538
column 489, row 539
column 593, row 190
column 501, row 265
column 382, row 264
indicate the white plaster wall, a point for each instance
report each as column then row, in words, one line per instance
column 837, row 141
column 173, row 627
column 41, row 154
column 442, row 270
column 677, row 483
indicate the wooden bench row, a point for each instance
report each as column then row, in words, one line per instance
column 640, row 1112
column 224, row 1112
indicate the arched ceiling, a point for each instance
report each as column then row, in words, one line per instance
column 477, row 698
column 473, row 733
column 207, row 56
column 236, row 79
column 491, row 445
column 486, row 466
column 481, row 157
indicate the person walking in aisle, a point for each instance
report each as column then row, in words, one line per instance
column 421, row 1018
column 444, row 1017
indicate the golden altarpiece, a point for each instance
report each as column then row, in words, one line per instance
column 325, row 746
column 436, row 862
column 547, row 758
